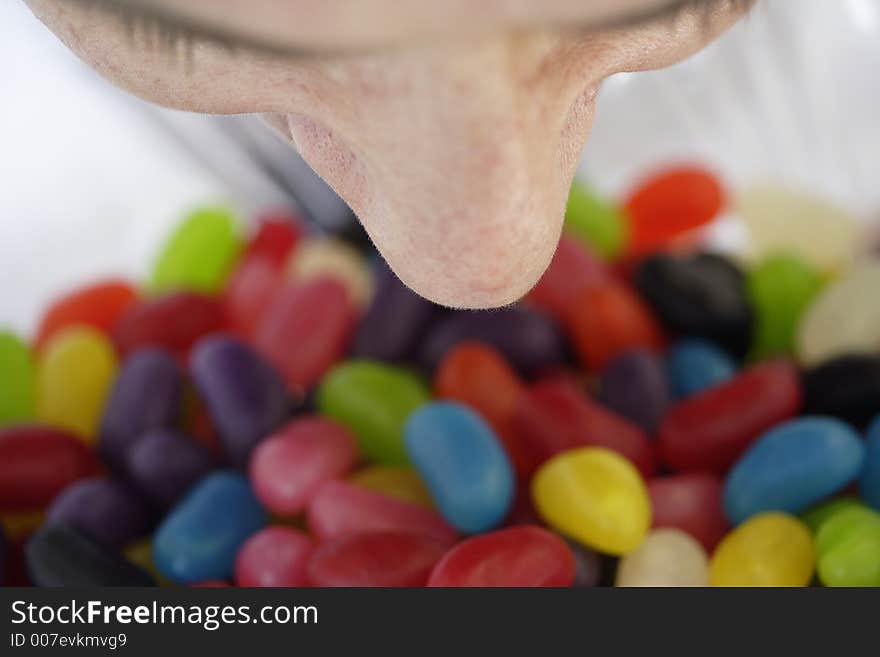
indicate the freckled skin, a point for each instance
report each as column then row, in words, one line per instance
column 456, row 152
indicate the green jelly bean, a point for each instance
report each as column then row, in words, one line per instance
column 200, row 254
column 595, row 221
column 781, row 288
column 848, row 545
column 373, row 400
column 17, row 380
column 815, row 516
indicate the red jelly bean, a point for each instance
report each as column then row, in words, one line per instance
column 175, row 321
column 573, row 267
column 36, row 463
column 710, row 430
column 277, row 234
column 477, row 375
column 249, row 292
column 275, row 556
column 671, row 203
column 691, row 503
column 99, row 305
column 288, row 467
column 519, row 556
column 609, row 318
column 554, row 417
column 307, row 329
column 339, row 508
column 383, row 558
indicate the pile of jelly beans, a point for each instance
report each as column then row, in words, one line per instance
column 277, row 409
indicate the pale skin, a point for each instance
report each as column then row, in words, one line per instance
column 453, row 129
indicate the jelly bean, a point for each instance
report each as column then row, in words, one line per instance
column 595, row 221
column 691, row 503
column 378, row 558
column 839, row 321
column 695, row 365
column 635, row 385
column 671, row 203
column 273, row 557
column 701, row 296
column 587, row 563
column 200, row 254
column 99, row 305
column 848, row 544
column 146, row 395
column 847, row 387
column 395, row 322
column 530, row 341
column 340, row 508
column 770, row 549
column 36, row 463
column 249, row 293
column 102, row 510
column 478, row 376
column 373, row 400
column 175, row 321
column 608, row 319
column 710, row 430
column 869, row 480
column 74, row 375
column 59, row 556
column 553, row 417
column 666, row 558
column 595, row 496
column 394, row 481
column 815, row 517
column 278, row 233
column 574, row 266
column 201, row 536
column 140, row 553
column 289, row 466
column 516, row 557
column 321, row 257
column 793, row 466
column 463, row 465
column 17, row 380
column 161, row 478
column 781, row 288
column 305, row 330
column 780, row 220
column 245, row 397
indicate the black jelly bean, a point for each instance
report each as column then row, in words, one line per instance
column 847, row 387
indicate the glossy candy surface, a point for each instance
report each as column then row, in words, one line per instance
column 395, row 481
column 277, row 235
column 869, row 480
column 573, row 267
column 692, row 503
column 322, row 258
column 595, row 496
column 847, row 387
column 17, row 380
column 595, row 221
column 635, row 385
column 462, row 463
column 848, row 546
column 666, row 558
column 251, row 290
column 695, row 365
column 274, row 556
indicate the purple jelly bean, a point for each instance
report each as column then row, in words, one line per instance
column 146, row 395
column 588, row 565
column 104, row 510
column 245, row 397
column 164, row 463
column 636, row 386
column 395, row 322
column 529, row 340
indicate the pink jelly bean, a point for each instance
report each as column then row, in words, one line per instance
column 277, row 235
column 340, row 508
column 249, row 292
column 306, row 329
column 275, row 556
column 288, row 467
column 375, row 559
column 573, row 267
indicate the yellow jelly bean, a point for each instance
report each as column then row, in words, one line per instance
column 394, row 481
column 141, row 554
column 780, row 220
column 769, row 549
column 595, row 496
column 667, row 558
column 22, row 524
column 320, row 256
column 74, row 375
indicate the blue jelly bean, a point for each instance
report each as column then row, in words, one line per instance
column 201, row 536
column 146, row 395
column 463, row 465
column 869, row 482
column 793, row 466
column 695, row 365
